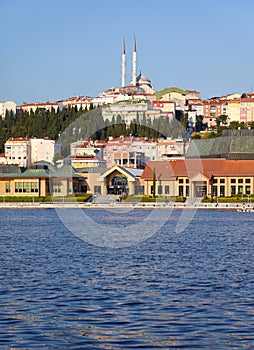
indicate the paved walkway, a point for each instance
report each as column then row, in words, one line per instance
column 140, row 205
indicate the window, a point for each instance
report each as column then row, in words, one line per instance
column 247, row 181
column 215, row 181
column 187, row 181
column 233, row 190
column 166, row 189
column 180, row 191
column 180, row 181
column 7, row 187
column 240, row 181
column 222, row 181
column 160, row 189
column 233, row 181
column 215, row 191
column 240, row 189
column 222, row 191
column 138, row 189
column 187, row 191
column 247, row 190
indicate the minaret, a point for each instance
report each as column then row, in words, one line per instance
column 123, row 64
column 134, row 64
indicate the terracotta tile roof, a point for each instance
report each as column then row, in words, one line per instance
column 190, row 167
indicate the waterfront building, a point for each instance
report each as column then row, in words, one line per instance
column 233, row 144
column 40, row 180
column 120, row 180
column 199, row 177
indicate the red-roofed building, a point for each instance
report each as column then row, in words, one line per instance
column 199, row 177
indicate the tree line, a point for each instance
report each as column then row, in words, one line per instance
column 70, row 124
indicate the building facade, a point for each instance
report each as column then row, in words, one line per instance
column 25, row 151
column 7, row 106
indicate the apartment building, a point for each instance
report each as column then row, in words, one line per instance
column 25, row 151
column 41, row 149
column 32, row 107
column 127, row 111
column 7, row 106
column 18, row 152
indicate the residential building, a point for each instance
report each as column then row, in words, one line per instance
column 28, row 107
column 42, row 149
column 88, row 147
column 212, row 109
column 247, row 109
column 126, row 112
column 25, row 151
column 7, row 106
column 86, row 161
column 18, row 151
column 2, row 159
column 165, row 107
column 234, row 110
column 171, row 149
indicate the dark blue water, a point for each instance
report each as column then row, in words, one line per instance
column 191, row 290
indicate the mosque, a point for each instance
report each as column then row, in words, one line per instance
column 139, row 83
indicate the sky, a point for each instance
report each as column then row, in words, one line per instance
column 55, row 49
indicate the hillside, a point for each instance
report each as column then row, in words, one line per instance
column 160, row 93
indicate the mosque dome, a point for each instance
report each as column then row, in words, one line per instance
column 143, row 80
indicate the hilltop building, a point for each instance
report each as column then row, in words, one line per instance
column 7, row 106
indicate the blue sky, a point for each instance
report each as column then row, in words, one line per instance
column 54, row 49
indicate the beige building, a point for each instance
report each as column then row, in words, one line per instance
column 8, row 106
column 234, row 110
column 41, row 149
column 199, row 177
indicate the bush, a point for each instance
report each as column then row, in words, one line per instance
column 42, row 199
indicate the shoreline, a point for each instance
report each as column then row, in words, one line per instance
column 139, row 205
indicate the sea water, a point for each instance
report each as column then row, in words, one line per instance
column 191, row 290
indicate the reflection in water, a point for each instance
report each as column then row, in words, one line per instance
column 193, row 289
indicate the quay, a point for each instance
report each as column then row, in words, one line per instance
column 129, row 205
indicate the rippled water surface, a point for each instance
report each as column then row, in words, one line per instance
column 188, row 290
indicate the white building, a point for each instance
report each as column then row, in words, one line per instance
column 7, row 106
column 17, row 151
column 25, row 151
column 42, row 149
column 128, row 111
